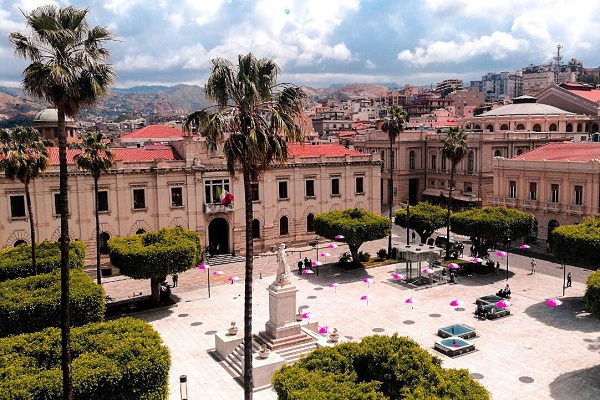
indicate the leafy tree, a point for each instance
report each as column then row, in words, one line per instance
column 69, row 70
column 253, row 119
column 592, row 294
column 492, row 224
column 355, row 224
column 97, row 159
column 455, row 149
column 425, row 218
column 24, row 156
column 590, row 79
column 153, row 255
column 578, row 244
column 393, row 125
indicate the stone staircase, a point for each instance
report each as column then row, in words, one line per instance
column 222, row 259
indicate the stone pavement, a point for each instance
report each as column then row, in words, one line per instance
column 538, row 352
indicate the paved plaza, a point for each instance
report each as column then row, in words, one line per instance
column 538, row 352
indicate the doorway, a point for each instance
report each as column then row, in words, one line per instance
column 218, row 236
column 413, row 190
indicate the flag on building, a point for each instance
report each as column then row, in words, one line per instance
column 225, row 196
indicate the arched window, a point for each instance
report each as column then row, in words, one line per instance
column 411, row 160
column 519, row 152
column 443, row 163
column 537, row 128
column 140, row 231
column 497, row 153
column 20, row 242
column 104, row 237
column 553, row 128
column 284, row 226
column 594, row 128
column 504, row 127
column 579, row 127
column 471, row 161
column 490, row 128
column 255, row 229
column 310, row 223
column 520, row 127
column 477, row 127
column 569, row 127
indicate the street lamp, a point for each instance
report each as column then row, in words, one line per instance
column 183, row 387
column 507, row 250
column 206, row 267
column 407, row 222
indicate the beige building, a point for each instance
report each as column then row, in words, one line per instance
column 181, row 185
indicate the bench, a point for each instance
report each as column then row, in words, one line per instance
column 486, row 300
column 491, row 311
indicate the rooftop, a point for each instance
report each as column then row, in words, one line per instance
column 524, row 106
column 564, row 151
column 154, row 132
column 49, row 115
column 299, row 150
column 148, row 153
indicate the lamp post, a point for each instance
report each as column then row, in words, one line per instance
column 507, row 250
column 206, row 267
column 407, row 222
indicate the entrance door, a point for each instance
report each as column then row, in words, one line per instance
column 413, row 190
column 218, row 236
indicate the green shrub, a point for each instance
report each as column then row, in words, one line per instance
column 123, row 359
column 382, row 254
column 578, row 244
column 363, row 257
column 379, row 367
column 592, row 294
column 32, row 304
column 15, row 262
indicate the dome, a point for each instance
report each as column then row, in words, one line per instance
column 525, row 105
column 49, row 115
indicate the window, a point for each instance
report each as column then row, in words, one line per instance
column 176, row 197
column 360, row 185
column 512, row 189
column 213, row 189
column 520, row 127
column 335, row 186
column 490, row 128
column 497, row 153
column 56, row 203
column 104, row 238
column 310, row 223
column 254, row 192
column 102, row 200
column 578, row 195
column 284, row 226
column 532, row 191
column 553, row 128
column 283, row 190
column 537, row 128
column 554, row 193
column 569, row 127
column 17, row 206
column 504, row 127
column 139, row 199
column 443, row 163
column 255, row 229
column 434, row 161
column 471, row 162
column 310, row 188
column 411, row 159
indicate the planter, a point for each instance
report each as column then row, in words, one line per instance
column 233, row 331
column 264, row 353
column 298, row 317
column 334, row 337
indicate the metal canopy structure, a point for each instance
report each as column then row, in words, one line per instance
column 413, row 258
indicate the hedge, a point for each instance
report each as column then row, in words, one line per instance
column 379, row 367
column 15, row 262
column 32, row 304
column 592, row 294
column 578, row 244
column 123, row 359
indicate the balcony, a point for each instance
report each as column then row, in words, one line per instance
column 575, row 209
column 507, row 201
column 217, row 208
column 553, row 207
column 530, row 204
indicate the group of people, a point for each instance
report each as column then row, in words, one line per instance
column 504, row 292
column 302, row 265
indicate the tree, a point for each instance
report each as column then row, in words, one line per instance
column 455, row 149
column 578, row 244
column 489, row 225
column 153, row 255
column 95, row 158
column 355, row 225
column 253, row 120
column 24, row 156
column 393, row 125
column 69, row 70
column 425, row 218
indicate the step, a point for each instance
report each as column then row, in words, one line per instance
column 222, row 259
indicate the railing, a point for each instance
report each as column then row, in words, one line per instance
column 552, row 206
column 530, row 204
column 575, row 208
column 218, row 208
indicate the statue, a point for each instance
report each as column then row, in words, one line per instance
column 283, row 269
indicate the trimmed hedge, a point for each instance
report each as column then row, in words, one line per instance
column 15, row 262
column 592, row 294
column 578, row 244
column 379, row 367
column 123, row 359
column 32, row 304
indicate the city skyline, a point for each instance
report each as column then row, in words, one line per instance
column 320, row 43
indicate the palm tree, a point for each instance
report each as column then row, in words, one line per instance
column 24, row 156
column 95, row 158
column 69, row 70
column 393, row 126
column 253, row 118
column 455, row 149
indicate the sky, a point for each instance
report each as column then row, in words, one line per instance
column 322, row 42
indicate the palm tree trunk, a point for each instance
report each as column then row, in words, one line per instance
column 391, row 194
column 248, row 290
column 448, row 214
column 65, row 317
column 31, row 228
column 98, row 274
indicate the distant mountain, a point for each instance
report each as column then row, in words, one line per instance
column 346, row 92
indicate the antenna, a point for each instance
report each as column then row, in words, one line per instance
column 557, row 63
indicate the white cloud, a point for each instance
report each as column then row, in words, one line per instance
column 120, row 6
column 28, row 5
column 499, row 45
column 203, row 11
column 370, row 64
column 176, row 20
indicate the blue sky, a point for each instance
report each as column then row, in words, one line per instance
column 322, row 42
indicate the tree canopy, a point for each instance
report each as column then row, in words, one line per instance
column 355, row 224
column 425, row 218
column 578, row 244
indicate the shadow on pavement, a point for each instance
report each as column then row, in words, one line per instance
column 575, row 385
column 570, row 316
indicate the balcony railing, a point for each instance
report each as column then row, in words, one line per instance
column 218, row 208
column 576, row 209
column 530, row 204
column 552, row 206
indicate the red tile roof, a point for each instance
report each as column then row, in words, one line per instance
column 298, row 150
column 571, row 151
column 134, row 154
column 154, row 132
column 593, row 95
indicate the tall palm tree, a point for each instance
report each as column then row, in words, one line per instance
column 253, row 118
column 69, row 70
column 97, row 159
column 393, row 125
column 455, row 149
column 24, row 156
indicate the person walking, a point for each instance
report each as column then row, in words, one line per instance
column 569, row 279
column 300, row 265
column 497, row 268
column 533, row 263
column 175, row 279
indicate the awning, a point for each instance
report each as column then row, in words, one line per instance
column 455, row 195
